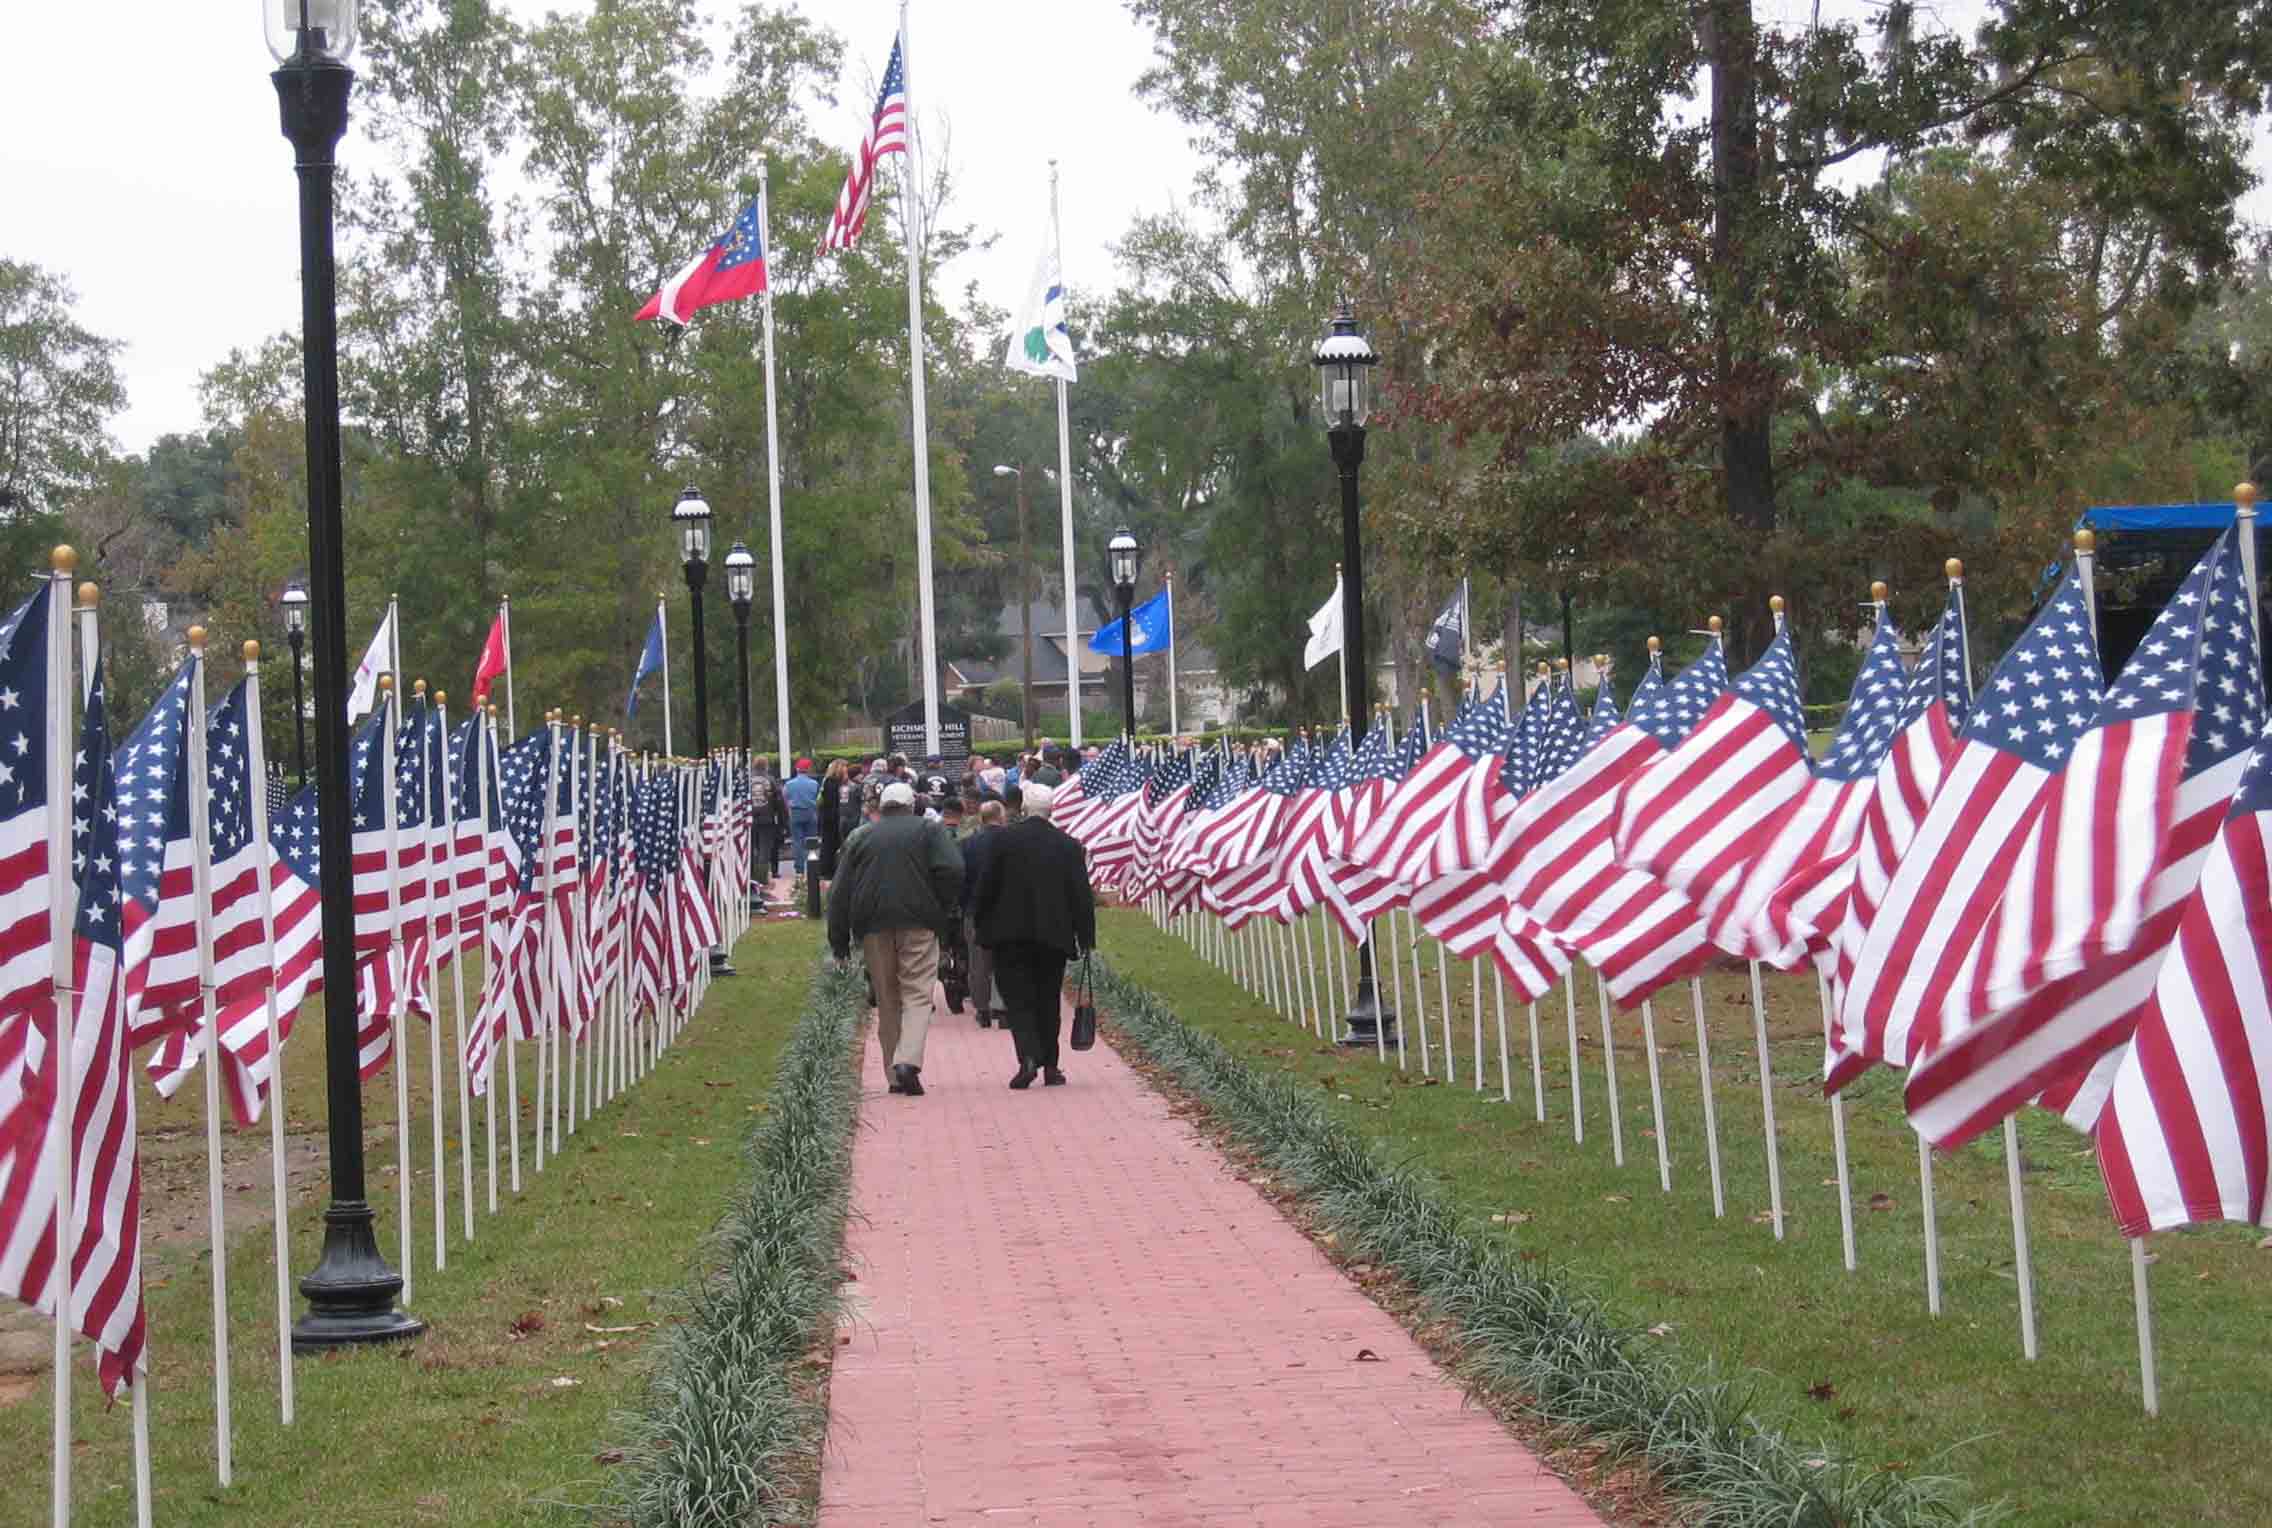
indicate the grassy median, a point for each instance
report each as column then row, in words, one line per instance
column 504, row 1411
column 1851, row 1359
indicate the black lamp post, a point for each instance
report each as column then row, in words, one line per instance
column 741, row 588
column 1123, row 554
column 1345, row 364
column 296, row 633
column 351, row 1293
column 692, row 517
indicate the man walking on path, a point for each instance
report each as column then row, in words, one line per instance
column 803, row 795
column 977, row 850
column 898, row 890
column 1034, row 911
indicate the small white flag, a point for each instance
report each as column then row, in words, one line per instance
column 1041, row 345
column 378, row 658
column 1325, row 630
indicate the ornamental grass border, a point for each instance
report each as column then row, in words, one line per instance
column 1523, row 1338
column 731, row 1423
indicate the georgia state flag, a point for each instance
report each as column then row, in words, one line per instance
column 733, row 267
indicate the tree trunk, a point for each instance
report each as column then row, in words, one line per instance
column 1743, row 370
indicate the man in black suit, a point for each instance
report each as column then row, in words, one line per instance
column 1033, row 909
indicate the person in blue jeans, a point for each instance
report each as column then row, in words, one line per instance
column 802, row 792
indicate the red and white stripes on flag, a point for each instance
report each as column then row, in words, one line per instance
column 886, row 134
column 2186, row 1135
column 2062, row 967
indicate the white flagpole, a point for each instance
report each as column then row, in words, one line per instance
column 663, row 625
column 1711, row 1115
column 436, row 1113
column 1341, row 652
column 1609, row 1073
column 493, row 916
column 570, row 997
column 396, row 972
column 62, row 748
column 773, row 479
column 1175, row 724
column 505, row 615
column 1838, row 1136
column 1395, row 966
column 452, row 954
column 911, row 222
column 1475, row 1017
column 256, row 764
column 1577, row 1086
column 1767, row 1095
column 1065, row 503
column 201, row 903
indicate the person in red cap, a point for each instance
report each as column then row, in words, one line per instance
column 803, row 795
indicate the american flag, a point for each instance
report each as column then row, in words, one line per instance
column 886, row 134
column 1935, row 706
column 1362, row 893
column 472, row 764
column 1242, row 889
column 1164, row 795
column 295, row 866
column 697, row 920
column 239, row 964
column 2186, row 1134
column 27, row 971
column 1808, row 866
column 1700, row 817
column 1442, row 817
column 486, row 897
column 372, row 801
column 1563, row 733
column 654, row 838
column 1304, row 861
column 2042, row 698
column 1189, row 859
column 1116, row 800
column 158, row 944
column 516, row 995
column 426, row 836
column 106, row 1257
column 2063, row 967
column 1378, row 776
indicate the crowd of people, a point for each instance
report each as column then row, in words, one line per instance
column 939, row 868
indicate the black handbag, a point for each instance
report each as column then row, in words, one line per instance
column 1085, row 1012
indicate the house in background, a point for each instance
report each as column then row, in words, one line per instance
column 967, row 679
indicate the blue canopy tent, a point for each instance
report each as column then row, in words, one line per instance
column 2144, row 553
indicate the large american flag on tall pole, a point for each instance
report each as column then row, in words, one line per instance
column 2062, row 969
column 886, row 134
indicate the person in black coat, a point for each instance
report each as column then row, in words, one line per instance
column 1034, row 911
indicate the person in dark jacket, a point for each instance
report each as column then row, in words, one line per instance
column 977, row 849
column 898, row 890
column 832, row 816
column 1034, row 911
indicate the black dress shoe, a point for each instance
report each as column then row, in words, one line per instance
column 1025, row 1077
column 985, row 1018
column 1052, row 1078
column 908, row 1079
column 895, row 1087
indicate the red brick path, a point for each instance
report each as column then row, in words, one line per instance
column 1069, row 1311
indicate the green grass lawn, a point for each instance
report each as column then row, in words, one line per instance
column 1851, row 1358
column 502, row 1411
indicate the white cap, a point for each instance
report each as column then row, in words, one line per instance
column 899, row 793
column 1036, row 798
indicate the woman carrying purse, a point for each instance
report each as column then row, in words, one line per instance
column 1034, row 911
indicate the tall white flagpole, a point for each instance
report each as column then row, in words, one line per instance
column 911, row 219
column 61, row 748
column 1175, row 728
column 201, row 898
column 505, row 615
column 256, row 764
column 453, row 953
column 773, row 478
column 1065, row 501
column 397, row 972
column 664, row 627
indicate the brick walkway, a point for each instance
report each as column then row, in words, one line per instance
column 1069, row 1311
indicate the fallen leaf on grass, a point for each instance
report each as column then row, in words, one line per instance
column 1512, row 1218
column 1661, row 1329
column 1367, row 1356
column 608, row 1456
column 1881, row 1201
column 563, row 1381
column 527, row 1323
column 1821, row 1390
column 1617, row 1199
column 1762, row 1217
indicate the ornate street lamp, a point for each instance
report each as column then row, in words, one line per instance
column 1124, row 557
column 741, row 588
column 1345, row 365
column 296, row 632
column 351, row 1293
column 691, row 516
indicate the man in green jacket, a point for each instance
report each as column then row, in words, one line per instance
column 898, row 889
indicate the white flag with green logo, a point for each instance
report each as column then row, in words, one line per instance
column 1041, row 345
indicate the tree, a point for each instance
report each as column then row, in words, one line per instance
column 59, row 390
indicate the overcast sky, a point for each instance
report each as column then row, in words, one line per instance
column 172, row 140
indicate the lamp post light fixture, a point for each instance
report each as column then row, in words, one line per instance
column 691, row 516
column 741, row 589
column 1124, row 557
column 1025, row 609
column 1345, row 363
column 351, row 1292
column 295, row 601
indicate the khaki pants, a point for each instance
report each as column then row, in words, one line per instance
column 902, row 964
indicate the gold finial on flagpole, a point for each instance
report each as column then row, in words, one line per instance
column 417, row 688
column 64, row 559
column 441, row 697
column 386, row 684
column 1713, row 626
column 492, row 710
column 1656, row 646
column 1878, row 590
column 1954, row 568
column 252, row 652
column 196, row 639
column 1775, row 604
column 2086, row 540
column 89, row 595
column 2245, row 495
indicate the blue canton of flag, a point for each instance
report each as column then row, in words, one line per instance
column 1772, row 684
column 1482, row 728
column 1670, row 712
column 521, row 793
column 159, row 967
column 2045, row 692
column 1873, row 708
